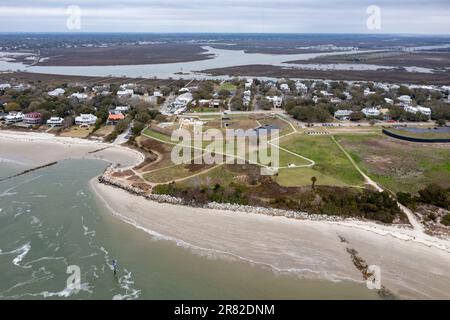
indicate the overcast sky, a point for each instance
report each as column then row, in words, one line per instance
column 293, row 16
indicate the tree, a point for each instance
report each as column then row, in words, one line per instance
column 356, row 116
column 12, row 106
column 441, row 122
column 314, row 180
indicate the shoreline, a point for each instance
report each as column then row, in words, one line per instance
column 309, row 249
column 305, row 247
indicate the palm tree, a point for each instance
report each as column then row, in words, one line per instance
column 313, row 180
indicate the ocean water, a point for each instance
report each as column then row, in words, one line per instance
column 50, row 220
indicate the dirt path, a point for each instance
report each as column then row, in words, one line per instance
column 410, row 215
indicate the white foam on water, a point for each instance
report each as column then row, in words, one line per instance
column 22, row 252
column 5, row 160
column 36, row 221
column 126, row 283
column 86, row 229
column 67, row 292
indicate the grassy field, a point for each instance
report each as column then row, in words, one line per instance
column 227, row 86
column 332, row 166
column 77, row 132
column 151, row 133
column 299, row 177
column 104, row 131
column 430, row 134
column 398, row 165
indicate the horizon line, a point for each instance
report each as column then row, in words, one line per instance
column 221, row 33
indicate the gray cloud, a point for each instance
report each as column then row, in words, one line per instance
column 398, row 16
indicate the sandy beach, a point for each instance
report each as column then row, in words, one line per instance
column 36, row 149
column 412, row 265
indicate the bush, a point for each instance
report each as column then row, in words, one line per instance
column 435, row 195
column 446, row 220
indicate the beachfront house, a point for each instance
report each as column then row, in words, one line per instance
column 33, row 118
column 276, row 101
column 14, row 117
column 57, row 92
column 85, row 120
column 343, row 114
column 55, row 122
column 114, row 118
column 371, row 112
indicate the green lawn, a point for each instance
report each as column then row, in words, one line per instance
column 299, row 177
column 150, row 133
column 397, row 165
column 332, row 166
column 227, row 86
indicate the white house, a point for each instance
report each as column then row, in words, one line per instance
column 335, row 100
column 79, row 96
column 57, row 92
column 157, row 94
column 276, row 101
column 418, row 109
column 14, row 117
column 5, row 86
column 125, row 93
column 389, row 101
column 405, row 99
column 85, row 119
column 247, row 97
column 248, row 84
column 215, row 103
column 343, row 114
column 55, row 121
column 184, row 90
column 371, row 112
column 326, row 93
column 367, row 92
column 348, row 96
column 122, row 109
column 185, row 98
column 382, row 86
column 301, row 87
column 285, row 87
